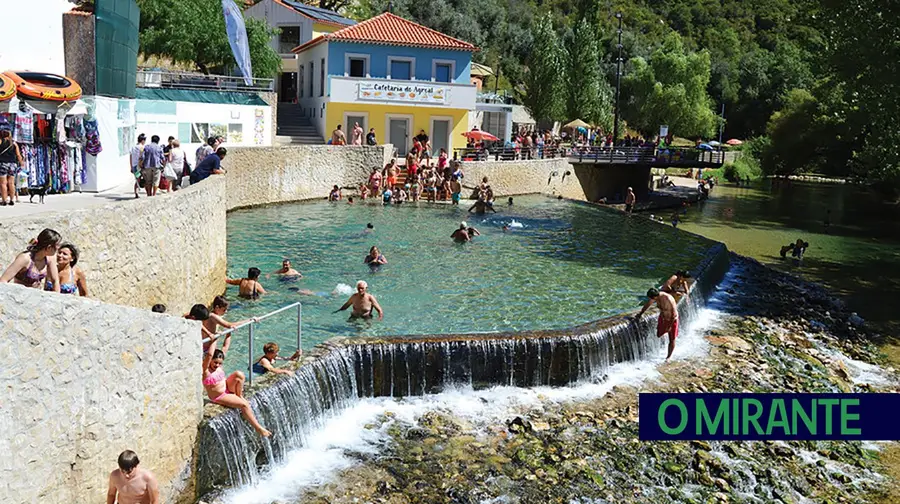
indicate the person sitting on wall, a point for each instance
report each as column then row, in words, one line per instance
column 248, row 287
column 37, row 262
column 677, row 283
column 228, row 392
column 217, row 311
column 266, row 363
column 73, row 278
column 130, row 484
column 211, row 165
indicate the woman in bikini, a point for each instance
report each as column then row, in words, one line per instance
column 72, row 277
column 217, row 311
column 228, row 392
column 36, row 263
column 248, row 288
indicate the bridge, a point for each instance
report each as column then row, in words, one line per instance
column 678, row 157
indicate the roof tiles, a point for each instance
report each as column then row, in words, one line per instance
column 389, row 29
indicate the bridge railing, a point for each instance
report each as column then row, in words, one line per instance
column 508, row 153
column 669, row 156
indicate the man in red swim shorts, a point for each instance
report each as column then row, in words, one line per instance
column 668, row 316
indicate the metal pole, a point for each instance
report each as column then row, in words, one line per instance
column 618, row 82
column 722, row 124
column 250, row 357
column 299, row 325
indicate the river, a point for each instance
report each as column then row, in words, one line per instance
column 857, row 255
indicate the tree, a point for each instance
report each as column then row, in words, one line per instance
column 590, row 95
column 193, row 32
column 670, row 89
column 544, row 84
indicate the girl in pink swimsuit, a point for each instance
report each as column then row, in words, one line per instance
column 228, row 392
column 31, row 267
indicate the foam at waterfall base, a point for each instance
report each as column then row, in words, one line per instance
column 328, row 448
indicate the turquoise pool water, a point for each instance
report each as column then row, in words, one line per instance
column 567, row 264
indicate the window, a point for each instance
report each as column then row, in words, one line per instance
column 300, row 74
column 288, row 39
column 401, row 68
column 322, row 78
column 443, row 72
column 357, row 67
column 312, row 77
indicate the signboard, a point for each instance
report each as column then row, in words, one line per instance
column 407, row 93
column 663, row 131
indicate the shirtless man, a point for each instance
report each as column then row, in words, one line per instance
column 461, row 235
column 668, row 316
column 629, row 200
column 287, row 271
column 362, row 302
column 131, row 484
column 677, row 283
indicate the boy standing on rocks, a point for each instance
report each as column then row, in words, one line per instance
column 668, row 316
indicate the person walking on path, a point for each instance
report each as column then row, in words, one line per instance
column 131, row 484
column 152, row 168
column 10, row 160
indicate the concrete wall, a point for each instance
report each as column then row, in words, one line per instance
column 169, row 249
column 280, row 174
column 611, row 181
column 82, row 382
column 524, row 177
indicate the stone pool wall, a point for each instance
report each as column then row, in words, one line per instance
column 85, row 380
column 547, row 176
column 167, row 249
column 341, row 369
column 261, row 176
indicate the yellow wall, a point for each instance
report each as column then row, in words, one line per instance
column 321, row 28
column 420, row 120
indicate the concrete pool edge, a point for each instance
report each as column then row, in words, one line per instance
column 375, row 367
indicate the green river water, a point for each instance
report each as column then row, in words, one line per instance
column 857, row 255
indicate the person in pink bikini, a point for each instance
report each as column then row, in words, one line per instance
column 228, row 392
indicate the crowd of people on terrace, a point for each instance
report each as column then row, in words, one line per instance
column 156, row 167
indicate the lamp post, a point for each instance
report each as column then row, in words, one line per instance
column 618, row 81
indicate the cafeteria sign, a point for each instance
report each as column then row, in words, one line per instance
column 411, row 93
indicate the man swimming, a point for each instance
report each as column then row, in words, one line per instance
column 287, row 271
column 461, row 235
column 668, row 316
column 677, row 283
column 362, row 302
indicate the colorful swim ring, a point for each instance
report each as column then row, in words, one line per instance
column 44, row 86
column 7, row 88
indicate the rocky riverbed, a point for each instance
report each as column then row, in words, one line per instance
column 777, row 334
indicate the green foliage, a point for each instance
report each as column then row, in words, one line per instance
column 545, row 84
column 670, row 88
column 743, row 168
column 590, row 95
column 193, row 32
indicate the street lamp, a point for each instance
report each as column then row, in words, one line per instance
column 618, row 81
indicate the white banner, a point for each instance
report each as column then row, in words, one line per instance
column 410, row 93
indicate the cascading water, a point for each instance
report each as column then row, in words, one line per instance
column 231, row 454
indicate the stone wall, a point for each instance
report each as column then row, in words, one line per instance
column 546, row 176
column 272, row 99
column 260, row 176
column 82, row 382
column 167, row 249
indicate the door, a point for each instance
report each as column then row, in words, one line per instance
column 399, row 135
column 350, row 121
column 440, row 136
column 287, row 91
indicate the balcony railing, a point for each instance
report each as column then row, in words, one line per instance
column 188, row 80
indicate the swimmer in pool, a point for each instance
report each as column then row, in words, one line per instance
column 287, row 271
column 249, row 287
column 375, row 258
column 362, row 302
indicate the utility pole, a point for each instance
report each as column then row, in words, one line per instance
column 618, row 81
column 722, row 122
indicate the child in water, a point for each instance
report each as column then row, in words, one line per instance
column 265, row 364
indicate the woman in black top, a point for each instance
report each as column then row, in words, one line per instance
column 10, row 160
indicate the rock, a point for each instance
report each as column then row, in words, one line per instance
column 840, row 369
column 703, row 445
column 784, row 451
column 731, row 342
column 540, row 426
column 673, row 468
column 518, row 424
column 722, row 485
column 589, row 414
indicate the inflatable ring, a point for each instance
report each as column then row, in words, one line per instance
column 44, row 86
column 7, row 88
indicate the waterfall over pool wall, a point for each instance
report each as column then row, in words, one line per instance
column 342, row 370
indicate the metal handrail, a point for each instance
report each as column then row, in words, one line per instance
column 255, row 320
column 648, row 154
column 147, row 78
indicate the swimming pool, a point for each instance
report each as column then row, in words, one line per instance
column 561, row 264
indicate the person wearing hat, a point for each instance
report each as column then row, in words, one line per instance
column 464, row 233
column 363, row 303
